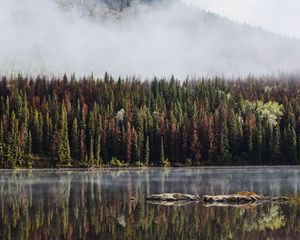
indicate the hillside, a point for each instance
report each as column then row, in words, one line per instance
column 88, row 122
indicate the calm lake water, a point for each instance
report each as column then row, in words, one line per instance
column 81, row 204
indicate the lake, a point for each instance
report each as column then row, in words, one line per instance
column 99, row 204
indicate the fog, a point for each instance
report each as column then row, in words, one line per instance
column 39, row 37
column 274, row 15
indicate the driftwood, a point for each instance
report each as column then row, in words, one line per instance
column 172, row 197
column 172, row 204
column 240, row 199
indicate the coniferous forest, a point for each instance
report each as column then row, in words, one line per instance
column 88, row 122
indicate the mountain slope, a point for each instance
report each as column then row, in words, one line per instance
column 157, row 39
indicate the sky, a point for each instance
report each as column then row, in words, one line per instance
column 279, row 16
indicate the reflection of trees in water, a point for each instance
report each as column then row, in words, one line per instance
column 271, row 219
column 86, row 206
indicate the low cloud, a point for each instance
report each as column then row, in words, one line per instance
column 39, row 37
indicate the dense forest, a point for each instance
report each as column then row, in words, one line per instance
column 88, row 122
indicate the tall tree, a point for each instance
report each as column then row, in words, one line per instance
column 63, row 147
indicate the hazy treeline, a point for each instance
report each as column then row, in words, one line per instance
column 89, row 122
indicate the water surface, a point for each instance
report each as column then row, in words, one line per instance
column 82, row 204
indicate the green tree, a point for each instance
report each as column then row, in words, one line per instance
column 37, row 131
column 276, row 146
column 162, row 151
column 91, row 152
column 28, row 144
column 98, row 151
column 14, row 153
column 291, row 144
column 74, row 143
column 147, row 151
column 1, row 145
column 63, row 147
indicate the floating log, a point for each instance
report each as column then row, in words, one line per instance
column 172, row 197
column 172, row 204
column 241, row 198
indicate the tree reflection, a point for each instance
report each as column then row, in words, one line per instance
column 80, row 205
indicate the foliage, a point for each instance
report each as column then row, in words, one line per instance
column 114, row 162
column 271, row 111
column 89, row 121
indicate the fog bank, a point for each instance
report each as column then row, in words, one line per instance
column 39, row 37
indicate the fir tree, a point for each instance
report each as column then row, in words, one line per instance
column 98, row 151
column 147, row 152
column 74, row 143
column 276, row 146
column 1, row 145
column 162, row 152
column 91, row 152
column 291, row 144
column 63, row 147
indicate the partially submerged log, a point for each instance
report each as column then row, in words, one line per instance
column 172, row 197
column 241, row 198
column 172, row 204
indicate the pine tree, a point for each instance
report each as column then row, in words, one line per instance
column 249, row 126
column 128, row 143
column 195, row 144
column 37, row 132
column 147, row 151
column 98, row 151
column 82, row 137
column 28, row 144
column 258, row 142
column 1, row 145
column 234, row 135
column 211, row 140
column 74, row 143
column 224, row 143
column 275, row 159
column 162, row 151
column 63, row 147
column 298, row 138
column 291, row 144
column 91, row 152
column 14, row 153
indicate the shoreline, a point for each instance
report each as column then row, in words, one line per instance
column 107, row 167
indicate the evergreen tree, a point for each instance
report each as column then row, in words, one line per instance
column 91, row 152
column 83, row 133
column 37, row 132
column 63, row 147
column 291, row 145
column 74, row 143
column 128, row 143
column 147, row 151
column 28, row 144
column 1, row 144
column 195, row 144
column 162, row 151
column 14, row 153
column 98, row 151
column 258, row 143
column 276, row 146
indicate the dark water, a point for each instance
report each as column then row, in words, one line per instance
column 63, row 204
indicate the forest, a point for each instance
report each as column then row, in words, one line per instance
column 91, row 122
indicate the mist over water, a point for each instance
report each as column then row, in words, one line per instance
column 110, row 204
column 41, row 37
